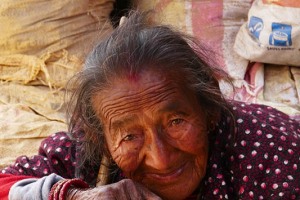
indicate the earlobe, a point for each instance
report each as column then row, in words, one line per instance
column 212, row 119
column 211, row 126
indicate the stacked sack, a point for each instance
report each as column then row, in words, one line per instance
column 42, row 45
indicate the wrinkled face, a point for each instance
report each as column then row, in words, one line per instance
column 156, row 132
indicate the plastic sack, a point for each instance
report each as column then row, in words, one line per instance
column 272, row 33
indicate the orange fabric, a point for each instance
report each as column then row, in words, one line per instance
column 284, row 3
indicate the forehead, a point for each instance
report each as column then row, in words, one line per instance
column 127, row 92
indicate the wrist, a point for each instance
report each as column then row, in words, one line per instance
column 66, row 189
column 71, row 194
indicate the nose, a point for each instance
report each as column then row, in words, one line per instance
column 158, row 153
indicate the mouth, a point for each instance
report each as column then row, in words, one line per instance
column 166, row 177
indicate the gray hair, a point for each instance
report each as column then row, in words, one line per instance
column 137, row 45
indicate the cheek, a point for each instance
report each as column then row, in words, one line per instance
column 197, row 145
column 127, row 157
column 195, row 140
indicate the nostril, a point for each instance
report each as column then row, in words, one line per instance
column 158, row 156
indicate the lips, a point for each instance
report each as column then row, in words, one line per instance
column 166, row 177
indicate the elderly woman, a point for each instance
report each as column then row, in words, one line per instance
column 147, row 107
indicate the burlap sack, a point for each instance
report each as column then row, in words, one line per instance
column 45, row 42
column 42, row 43
column 22, row 131
column 27, row 115
column 280, row 86
column 41, row 100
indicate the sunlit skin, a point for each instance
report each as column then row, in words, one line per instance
column 155, row 131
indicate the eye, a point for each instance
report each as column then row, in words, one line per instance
column 177, row 128
column 129, row 137
column 176, row 122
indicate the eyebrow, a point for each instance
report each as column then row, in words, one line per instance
column 172, row 107
column 119, row 124
column 130, row 119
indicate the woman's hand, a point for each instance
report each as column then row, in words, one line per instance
column 124, row 189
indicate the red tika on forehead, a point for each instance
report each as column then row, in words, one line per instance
column 133, row 77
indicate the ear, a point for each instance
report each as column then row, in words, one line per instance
column 213, row 117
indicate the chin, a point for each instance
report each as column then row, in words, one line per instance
column 174, row 193
column 176, row 186
column 177, row 191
